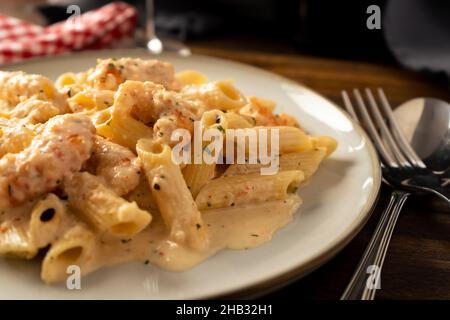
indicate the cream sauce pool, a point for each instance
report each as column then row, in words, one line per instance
column 233, row 228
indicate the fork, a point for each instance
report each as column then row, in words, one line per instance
column 402, row 169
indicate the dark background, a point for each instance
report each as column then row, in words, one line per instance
column 320, row 27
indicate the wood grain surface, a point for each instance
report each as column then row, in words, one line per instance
column 417, row 265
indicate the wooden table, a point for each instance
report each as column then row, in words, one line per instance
column 417, row 265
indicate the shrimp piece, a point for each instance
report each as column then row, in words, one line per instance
column 110, row 73
column 35, row 111
column 154, row 105
column 116, row 166
column 91, row 100
column 14, row 137
column 18, row 86
column 260, row 113
column 56, row 154
column 24, row 123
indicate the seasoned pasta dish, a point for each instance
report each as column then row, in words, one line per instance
column 130, row 161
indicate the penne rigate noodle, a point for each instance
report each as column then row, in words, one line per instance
column 23, row 236
column 15, row 232
column 330, row 144
column 189, row 77
column 236, row 121
column 143, row 197
column 15, row 241
column 124, row 130
column 91, row 100
column 66, row 79
column 172, row 195
column 307, row 161
column 74, row 248
column 49, row 218
column 105, row 210
column 264, row 103
column 197, row 175
column 239, row 189
column 256, row 220
column 291, row 139
column 221, row 95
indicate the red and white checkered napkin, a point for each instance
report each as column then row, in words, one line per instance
column 95, row 29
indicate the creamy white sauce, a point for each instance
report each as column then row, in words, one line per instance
column 239, row 228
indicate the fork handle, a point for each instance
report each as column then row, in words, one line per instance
column 367, row 277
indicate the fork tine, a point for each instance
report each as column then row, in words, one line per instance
column 381, row 147
column 397, row 132
column 349, row 106
column 379, row 121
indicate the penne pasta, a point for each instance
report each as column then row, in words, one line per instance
column 291, row 139
column 14, row 232
column 308, row 162
column 106, row 211
column 197, row 175
column 239, row 189
column 236, row 121
column 75, row 247
column 330, row 144
column 123, row 129
column 172, row 195
column 91, row 99
column 189, row 77
column 221, row 95
column 49, row 219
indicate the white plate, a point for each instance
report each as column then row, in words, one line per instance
column 336, row 203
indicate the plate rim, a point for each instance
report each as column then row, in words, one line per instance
column 296, row 272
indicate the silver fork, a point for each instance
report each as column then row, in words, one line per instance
column 402, row 169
